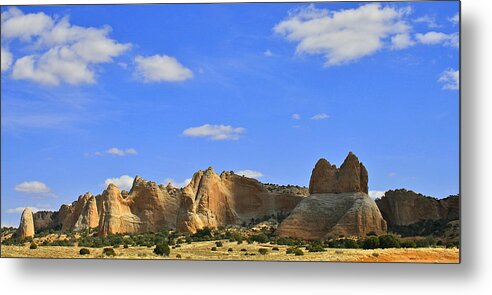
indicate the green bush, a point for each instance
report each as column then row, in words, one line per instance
column 275, row 249
column 33, row 246
column 218, row 244
column 260, row 238
column 213, row 249
column 243, row 250
column 291, row 250
column 84, row 251
column 388, row 241
column 125, row 246
column 109, row 252
column 178, row 256
column 316, row 246
column 408, row 244
column 229, row 250
column 298, row 252
column 371, row 242
column 263, row 251
column 162, row 249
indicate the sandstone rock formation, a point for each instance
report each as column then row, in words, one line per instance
column 350, row 177
column 26, row 226
column 80, row 215
column 212, row 200
column 116, row 216
column 338, row 204
column 329, row 215
column 44, row 220
column 403, row 207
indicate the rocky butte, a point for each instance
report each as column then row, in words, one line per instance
column 338, row 204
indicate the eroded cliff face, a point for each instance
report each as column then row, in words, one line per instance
column 403, row 207
column 77, row 216
column 212, row 200
column 44, row 220
column 338, row 205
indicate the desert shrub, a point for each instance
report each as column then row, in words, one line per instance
column 287, row 241
column 371, row 242
column 213, row 249
column 291, row 250
column 109, row 252
column 371, row 233
column 243, row 250
column 218, row 244
column 388, row 241
column 229, row 250
column 84, row 251
column 275, row 249
column 178, row 256
column 125, row 246
column 408, row 244
column 177, row 246
column 298, row 252
column 375, row 254
column 338, row 252
column 316, row 246
column 188, row 239
column 203, row 234
column 33, row 246
column 263, row 251
column 260, row 238
column 162, row 249
column 239, row 242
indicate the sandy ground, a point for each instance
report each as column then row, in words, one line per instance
column 202, row 251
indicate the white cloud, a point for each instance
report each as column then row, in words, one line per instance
column 15, row 24
column 6, row 59
column 320, row 116
column 249, row 173
column 455, row 19
column 177, row 184
column 430, row 21
column 434, row 38
column 392, row 174
column 215, row 132
column 450, row 79
column 376, row 194
column 32, row 187
column 124, row 182
column 296, row 117
column 401, row 41
column 161, row 68
column 62, row 52
column 344, row 35
column 21, row 209
column 119, row 152
column 268, row 53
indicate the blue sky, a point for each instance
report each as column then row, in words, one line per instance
column 99, row 94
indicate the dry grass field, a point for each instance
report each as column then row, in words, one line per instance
column 202, row 251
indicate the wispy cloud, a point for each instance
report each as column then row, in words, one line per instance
column 177, row 183
column 296, row 117
column 429, row 21
column 455, row 19
column 450, row 79
column 215, row 132
column 320, row 116
column 161, row 68
column 33, row 209
column 124, row 182
column 249, row 173
column 376, row 194
column 434, row 38
column 32, row 187
column 268, row 53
